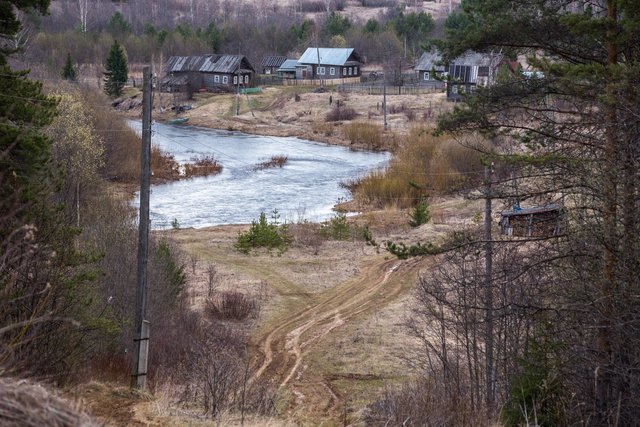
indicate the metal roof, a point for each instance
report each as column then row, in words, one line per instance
column 328, row 56
column 535, row 210
column 273, row 61
column 216, row 63
column 288, row 65
column 472, row 58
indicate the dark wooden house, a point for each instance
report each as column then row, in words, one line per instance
column 543, row 221
column 429, row 67
column 329, row 63
column 471, row 70
column 207, row 71
column 270, row 64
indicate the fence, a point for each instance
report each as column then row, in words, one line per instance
column 377, row 89
column 319, row 82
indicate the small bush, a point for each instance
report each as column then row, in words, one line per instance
column 264, row 234
column 338, row 114
column 202, row 166
column 275, row 162
column 367, row 134
column 232, row 305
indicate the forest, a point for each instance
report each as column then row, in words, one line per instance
column 506, row 328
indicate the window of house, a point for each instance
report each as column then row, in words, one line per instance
column 225, row 79
column 350, row 70
column 344, row 71
column 216, row 79
column 246, row 79
column 355, row 70
column 321, row 70
column 426, row 75
column 332, row 71
column 235, row 80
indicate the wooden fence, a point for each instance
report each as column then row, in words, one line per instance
column 320, row 82
column 370, row 89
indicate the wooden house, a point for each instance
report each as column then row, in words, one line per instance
column 217, row 71
column 471, row 70
column 429, row 67
column 544, row 221
column 329, row 63
column 270, row 64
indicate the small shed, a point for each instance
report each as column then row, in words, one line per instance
column 288, row 69
column 543, row 221
column 270, row 64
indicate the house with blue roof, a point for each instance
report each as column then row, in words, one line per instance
column 326, row 63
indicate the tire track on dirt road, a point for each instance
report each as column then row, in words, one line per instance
column 283, row 348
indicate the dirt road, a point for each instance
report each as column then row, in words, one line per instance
column 314, row 396
column 307, row 341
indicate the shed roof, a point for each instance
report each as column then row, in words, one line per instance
column 430, row 61
column 216, row 63
column 472, row 58
column 329, row 56
column 529, row 211
column 273, row 61
column 288, row 65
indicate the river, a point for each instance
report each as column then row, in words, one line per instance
column 306, row 188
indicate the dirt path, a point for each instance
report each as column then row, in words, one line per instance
column 285, row 346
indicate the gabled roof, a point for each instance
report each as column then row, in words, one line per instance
column 430, row 61
column 216, row 63
column 288, row 65
column 472, row 58
column 273, row 61
column 329, row 56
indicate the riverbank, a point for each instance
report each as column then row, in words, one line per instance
column 303, row 113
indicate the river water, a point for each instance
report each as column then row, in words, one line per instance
column 306, row 187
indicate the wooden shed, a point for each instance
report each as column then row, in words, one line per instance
column 543, row 221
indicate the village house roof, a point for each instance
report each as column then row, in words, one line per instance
column 288, row 66
column 216, row 63
column 273, row 61
column 330, row 56
column 430, row 61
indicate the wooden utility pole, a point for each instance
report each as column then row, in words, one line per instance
column 141, row 335
column 488, row 261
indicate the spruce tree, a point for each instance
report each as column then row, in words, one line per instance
column 69, row 71
column 117, row 71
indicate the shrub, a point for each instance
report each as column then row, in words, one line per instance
column 232, row 305
column 341, row 113
column 367, row 134
column 275, row 162
column 202, row 166
column 265, row 234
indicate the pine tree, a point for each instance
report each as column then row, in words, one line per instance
column 117, row 71
column 69, row 71
column 574, row 128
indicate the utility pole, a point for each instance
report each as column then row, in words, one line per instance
column 488, row 260
column 238, row 91
column 141, row 335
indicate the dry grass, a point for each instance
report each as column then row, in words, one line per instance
column 202, row 166
column 23, row 403
column 424, row 165
column 364, row 134
column 275, row 162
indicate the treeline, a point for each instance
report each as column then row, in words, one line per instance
column 249, row 29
